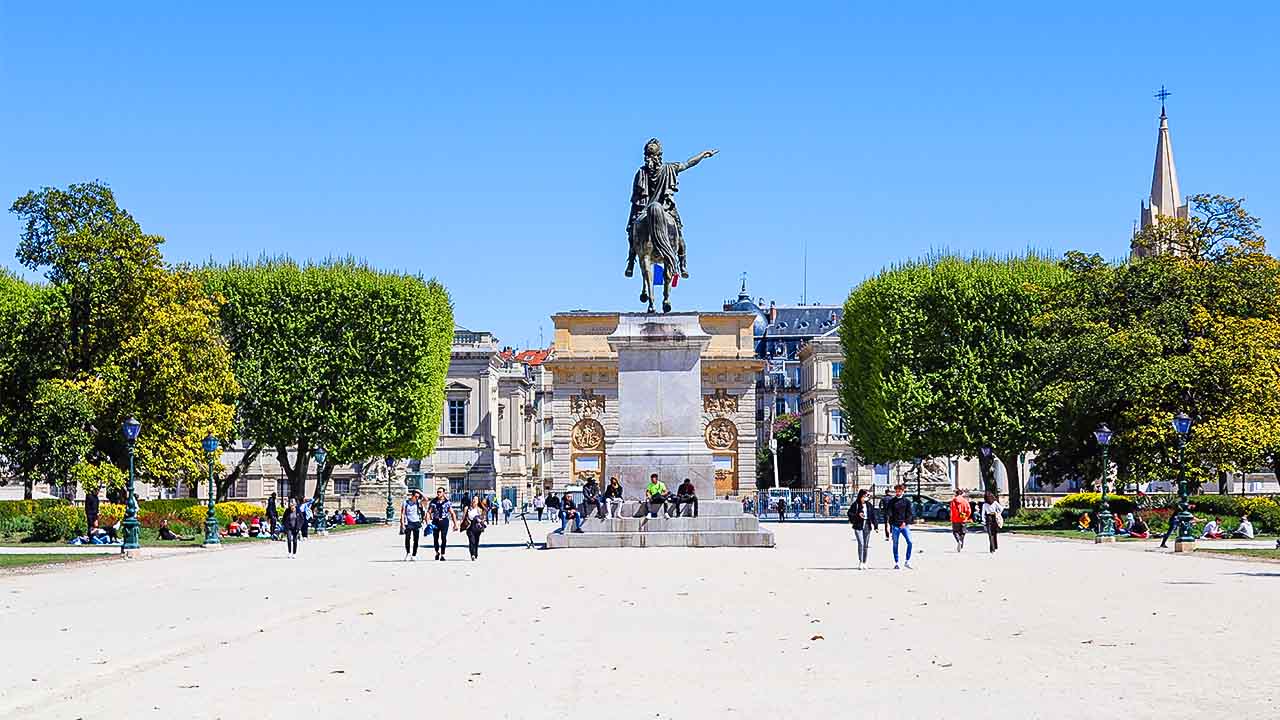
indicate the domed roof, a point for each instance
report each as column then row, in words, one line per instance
column 745, row 304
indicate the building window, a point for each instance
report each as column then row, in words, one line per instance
column 836, row 368
column 342, row 486
column 457, row 417
column 780, row 407
column 837, row 422
column 839, row 475
column 241, row 488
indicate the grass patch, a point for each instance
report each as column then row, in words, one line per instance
column 1069, row 534
column 1263, row 553
column 11, row 561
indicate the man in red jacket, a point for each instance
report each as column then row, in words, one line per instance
column 961, row 511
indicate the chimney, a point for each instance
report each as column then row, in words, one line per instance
column 773, row 312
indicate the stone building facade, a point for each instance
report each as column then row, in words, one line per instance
column 585, row 405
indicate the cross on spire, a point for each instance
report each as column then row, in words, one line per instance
column 1162, row 95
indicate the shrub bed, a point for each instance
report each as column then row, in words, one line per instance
column 1089, row 502
column 27, row 508
column 63, row 522
column 224, row 511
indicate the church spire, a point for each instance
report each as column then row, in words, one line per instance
column 1166, row 197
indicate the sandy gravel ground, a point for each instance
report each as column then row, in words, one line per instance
column 1043, row 629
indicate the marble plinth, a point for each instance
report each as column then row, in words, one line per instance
column 720, row 523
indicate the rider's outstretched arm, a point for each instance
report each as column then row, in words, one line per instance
column 696, row 159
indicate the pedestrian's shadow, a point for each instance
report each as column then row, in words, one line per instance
column 1257, row 574
column 829, row 568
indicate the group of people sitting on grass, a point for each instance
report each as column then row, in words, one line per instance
column 1213, row 530
column 1132, row 525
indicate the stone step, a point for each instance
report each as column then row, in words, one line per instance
column 702, row 523
column 758, row 539
column 706, row 508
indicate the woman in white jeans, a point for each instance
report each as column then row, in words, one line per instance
column 613, row 497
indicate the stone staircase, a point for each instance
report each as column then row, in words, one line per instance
column 720, row 523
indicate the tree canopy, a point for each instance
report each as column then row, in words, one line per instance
column 335, row 355
column 937, row 362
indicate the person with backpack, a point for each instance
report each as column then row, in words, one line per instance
column 862, row 516
column 993, row 518
column 474, row 521
column 961, row 511
column 441, row 512
column 411, row 514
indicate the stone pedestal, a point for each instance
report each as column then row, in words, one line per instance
column 1100, row 539
column 1179, row 546
column 720, row 523
column 660, row 402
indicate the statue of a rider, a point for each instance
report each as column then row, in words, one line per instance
column 654, row 190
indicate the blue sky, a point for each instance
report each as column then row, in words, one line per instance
column 491, row 145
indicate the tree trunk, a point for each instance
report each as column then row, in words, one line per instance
column 325, row 473
column 27, row 485
column 988, row 477
column 224, row 485
column 1223, row 479
column 296, row 471
column 1011, row 472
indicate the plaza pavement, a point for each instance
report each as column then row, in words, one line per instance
column 1043, row 629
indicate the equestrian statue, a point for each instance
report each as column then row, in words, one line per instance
column 655, row 234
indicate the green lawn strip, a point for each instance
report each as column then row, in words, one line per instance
column 1260, row 553
column 149, row 537
column 11, row 561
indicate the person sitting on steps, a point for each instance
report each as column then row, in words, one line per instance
column 568, row 511
column 657, row 495
column 685, row 495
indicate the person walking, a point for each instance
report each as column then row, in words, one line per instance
column 961, row 511
column 411, row 514
column 294, row 522
column 899, row 517
column 884, row 510
column 782, row 509
column 441, row 512
column 305, row 509
column 993, row 518
column 862, row 516
column 474, row 521
column 507, row 507
column 273, row 515
column 539, row 505
column 91, row 508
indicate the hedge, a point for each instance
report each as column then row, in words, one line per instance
column 27, row 508
column 224, row 511
column 1089, row 501
column 57, row 523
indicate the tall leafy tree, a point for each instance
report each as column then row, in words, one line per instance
column 335, row 355
column 937, row 361
column 136, row 337
column 1195, row 329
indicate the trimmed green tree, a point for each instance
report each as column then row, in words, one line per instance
column 335, row 355
column 937, row 361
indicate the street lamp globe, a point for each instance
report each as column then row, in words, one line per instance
column 986, row 452
column 391, row 462
column 131, row 429
column 1182, row 423
column 210, row 443
column 1103, row 434
column 320, row 455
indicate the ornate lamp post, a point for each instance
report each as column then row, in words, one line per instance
column 919, row 463
column 1106, row 530
column 130, row 525
column 985, row 467
column 1186, row 539
column 210, row 445
column 322, row 523
column 391, row 510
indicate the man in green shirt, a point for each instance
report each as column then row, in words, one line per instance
column 657, row 494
